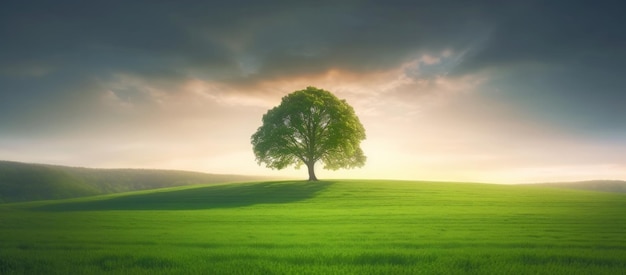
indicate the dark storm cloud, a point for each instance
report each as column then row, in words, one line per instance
column 551, row 55
column 562, row 61
column 554, row 31
column 56, row 57
column 229, row 39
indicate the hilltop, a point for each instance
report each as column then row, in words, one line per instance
column 29, row 182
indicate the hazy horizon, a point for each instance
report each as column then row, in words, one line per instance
column 454, row 91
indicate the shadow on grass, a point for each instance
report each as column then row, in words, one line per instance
column 219, row 196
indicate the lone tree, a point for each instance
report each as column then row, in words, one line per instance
column 308, row 126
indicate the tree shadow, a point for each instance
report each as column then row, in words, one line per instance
column 218, row 196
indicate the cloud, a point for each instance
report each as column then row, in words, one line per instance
column 557, row 61
column 229, row 40
column 535, row 32
column 141, row 53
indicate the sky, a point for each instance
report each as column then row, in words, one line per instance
column 482, row 91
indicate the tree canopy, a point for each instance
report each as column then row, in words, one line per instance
column 308, row 126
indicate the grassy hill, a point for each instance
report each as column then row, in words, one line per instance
column 329, row 227
column 592, row 185
column 28, row 182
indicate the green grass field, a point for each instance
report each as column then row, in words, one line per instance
column 329, row 227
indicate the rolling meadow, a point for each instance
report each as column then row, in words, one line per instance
column 326, row 227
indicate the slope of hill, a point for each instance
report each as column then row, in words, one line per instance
column 617, row 186
column 28, row 182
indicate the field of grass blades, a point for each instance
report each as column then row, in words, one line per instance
column 326, row 227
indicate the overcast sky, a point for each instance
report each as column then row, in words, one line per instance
column 488, row 91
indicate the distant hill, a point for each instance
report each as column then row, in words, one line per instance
column 29, row 182
column 617, row 186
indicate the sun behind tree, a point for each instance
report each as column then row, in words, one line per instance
column 308, row 126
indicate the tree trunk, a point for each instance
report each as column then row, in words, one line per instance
column 311, row 167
